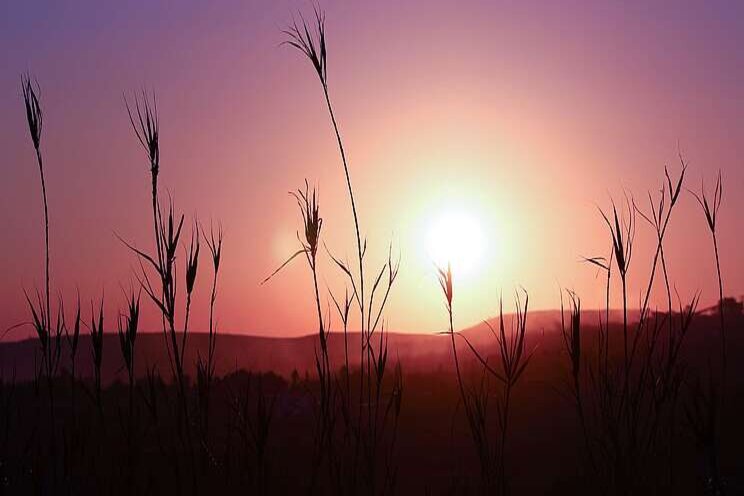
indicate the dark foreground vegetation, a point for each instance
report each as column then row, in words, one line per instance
column 648, row 402
column 260, row 433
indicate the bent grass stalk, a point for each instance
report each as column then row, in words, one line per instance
column 35, row 120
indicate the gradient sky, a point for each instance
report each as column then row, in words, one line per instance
column 526, row 114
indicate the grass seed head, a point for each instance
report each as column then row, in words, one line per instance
column 34, row 116
column 622, row 233
column 710, row 205
column 312, row 221
column 146, row 127
column 572, row 334
column 193, row 261
column 214, row 242
column 312, row 45
column 128, row 326
column 445, row 281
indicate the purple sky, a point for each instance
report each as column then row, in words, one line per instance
column 526, row 114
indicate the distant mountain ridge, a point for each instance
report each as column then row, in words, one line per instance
column 282, row 355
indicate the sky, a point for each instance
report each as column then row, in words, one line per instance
column 523, row 117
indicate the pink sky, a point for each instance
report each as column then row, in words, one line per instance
column 524, row 114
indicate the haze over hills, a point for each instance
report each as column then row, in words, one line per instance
column 282, row 355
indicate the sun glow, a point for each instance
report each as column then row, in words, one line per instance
column 456, row 238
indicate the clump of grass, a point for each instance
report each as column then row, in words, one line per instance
column 128, row 326
column 168, row 229
column 513, row 361
column 163, row 291
column 658, row 217
column 50, row 340
column 628, row 409
column 73, row 339
column 572, row 333
column 368, row 429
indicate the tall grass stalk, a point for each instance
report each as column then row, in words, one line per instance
column 623, row 235
column 370, row 424
column 344, row 308
column 312, row 223
column 475, row 410
column 572, row 342
column 711, row 207
column 35, row 120
column 514, row 361
column 192, row 264
column 316, row 52
column 706, row 416
column 49, row 338
column 168, row 231
column 168, row 227
column 658, row 218
column 205, row 367
column 144, row 120
column 446, row 283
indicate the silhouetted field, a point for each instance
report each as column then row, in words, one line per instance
column 434, row 452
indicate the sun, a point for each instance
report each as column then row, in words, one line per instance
column 456, row 237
